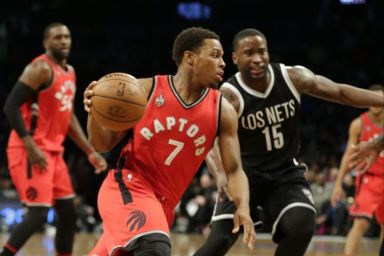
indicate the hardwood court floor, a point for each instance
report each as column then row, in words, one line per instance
column 185, row 245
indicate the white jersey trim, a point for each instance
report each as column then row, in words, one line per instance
column 65, row 197
column 233, row 89
column 38, row 204
column 289, row 82
column 254, row 92
column 222, row 217
column 286, row 208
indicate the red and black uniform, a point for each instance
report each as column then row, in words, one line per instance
column 54, row 110
column 369, row 196
column 155, row 168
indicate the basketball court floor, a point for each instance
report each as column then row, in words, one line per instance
column 185, row 245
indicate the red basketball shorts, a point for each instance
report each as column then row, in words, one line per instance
column 129, row 209
column 36, row 187
column 369, row 197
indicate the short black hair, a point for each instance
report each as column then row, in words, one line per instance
column 49, row 27
column 190, row 39
column 246, row 33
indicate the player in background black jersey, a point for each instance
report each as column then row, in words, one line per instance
column 266, row 97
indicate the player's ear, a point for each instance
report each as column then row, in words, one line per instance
column 45, row 44
column 234, row 58
column 188, row 57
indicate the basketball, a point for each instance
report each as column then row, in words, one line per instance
column 118, row 101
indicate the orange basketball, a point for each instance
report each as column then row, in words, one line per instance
column 118, row 102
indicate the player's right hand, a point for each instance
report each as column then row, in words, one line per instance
column 337, row 195
column 242, row 217
column 35, row 155
column 88, row 93
column 362, row 156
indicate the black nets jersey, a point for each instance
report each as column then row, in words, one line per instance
column 269, row 123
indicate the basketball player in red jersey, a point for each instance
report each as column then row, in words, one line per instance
column 39, row 109
column 182, row 119
column 369, row 196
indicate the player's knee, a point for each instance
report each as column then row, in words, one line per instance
column 297, row 224
column 161, row 249
column 222, row 233
column 154, row 245
column 66, row 211
column 37, row 215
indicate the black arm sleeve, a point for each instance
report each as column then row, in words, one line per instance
column 19, row 94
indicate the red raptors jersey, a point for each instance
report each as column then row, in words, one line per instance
column 172, row 139
column 54, row 109
column 369, row 132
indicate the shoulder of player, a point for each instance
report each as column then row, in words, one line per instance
column 301, row 77
column 298, row 71
column 147, row 83
column 356, row 126
column 228, row 111
column 229, row 92
column 36, row 74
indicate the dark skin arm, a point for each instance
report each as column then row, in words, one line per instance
column 213, row 160
column 76, row 133
column 353, row 138
column 238, row 186
column 321, row 87
column 35, row 75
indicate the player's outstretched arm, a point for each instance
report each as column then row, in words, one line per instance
column 238, row 185
column 353, row 138
column 324, row 88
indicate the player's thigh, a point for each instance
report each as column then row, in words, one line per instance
column 284, row 197
column 129, row 211
column 34, row 186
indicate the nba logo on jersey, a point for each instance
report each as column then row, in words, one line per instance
column 160, row 101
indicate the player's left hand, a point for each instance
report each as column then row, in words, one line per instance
column 361, row 157
column 242, row 217
column 97, row 161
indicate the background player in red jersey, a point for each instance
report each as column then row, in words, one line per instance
column 369, row 195
column 39, row 109
column 267, row 98
column 182, row 119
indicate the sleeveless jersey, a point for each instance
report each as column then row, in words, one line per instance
column 370, row 131
column 269, row 123
column 53, row 112
column 172, row 138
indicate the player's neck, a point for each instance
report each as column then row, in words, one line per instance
column 62, row 62
column 377, row 119
column 186, row 88
column 260, row 84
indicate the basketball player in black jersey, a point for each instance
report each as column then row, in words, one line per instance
column 266, row 97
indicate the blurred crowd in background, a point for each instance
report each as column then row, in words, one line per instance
column 341, row 41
